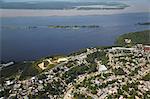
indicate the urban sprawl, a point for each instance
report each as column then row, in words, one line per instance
column 96, row 73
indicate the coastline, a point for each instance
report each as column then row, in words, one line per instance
column 134, row 7
column 48, row 13
column 96, row 36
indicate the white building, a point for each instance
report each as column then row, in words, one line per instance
column 7, row 64
column 102, row 68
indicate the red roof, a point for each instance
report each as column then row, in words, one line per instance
column 146, row 48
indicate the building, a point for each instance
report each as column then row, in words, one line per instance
column 7, row 64
column 102, row 68
column 146, row 48
column 128, row 41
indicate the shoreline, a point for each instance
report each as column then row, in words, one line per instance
column 118, row 43
column 133, row 7
column 48, row 13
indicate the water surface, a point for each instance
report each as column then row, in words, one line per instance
column 29, row 44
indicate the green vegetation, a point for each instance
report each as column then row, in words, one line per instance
column 53, row 27
column 147, row 95
column 130, row 88
column 101, row 56
column 106, row 75
column 54, row 88
column 135, row 71
column 146, row 77
column 30, row 71
column 76, row 71
column 136, row 37
column 130, row 85
column 119, row 71
column 81, row 96
column 42, row 76
column 73, row 26
column 92, row 86
column 5, row 92
column 24, row 70
column 62, row 76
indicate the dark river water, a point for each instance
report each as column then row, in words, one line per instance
column 28, row 44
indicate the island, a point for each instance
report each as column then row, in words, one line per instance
column 54, row 27
column 144, row 23
column 73, row 26
column 64, row 5
column 111, row 72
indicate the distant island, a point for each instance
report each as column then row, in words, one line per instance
column 144, row 23
column 53, row 27
column 64, row 5
column 73, row 26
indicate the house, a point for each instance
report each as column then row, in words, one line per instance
column 102, row 68
column 9, row 83
column 146, row 48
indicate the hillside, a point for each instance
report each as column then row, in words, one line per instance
column 136, row 37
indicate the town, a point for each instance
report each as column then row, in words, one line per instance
column 95, row 73
column 74, row 49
